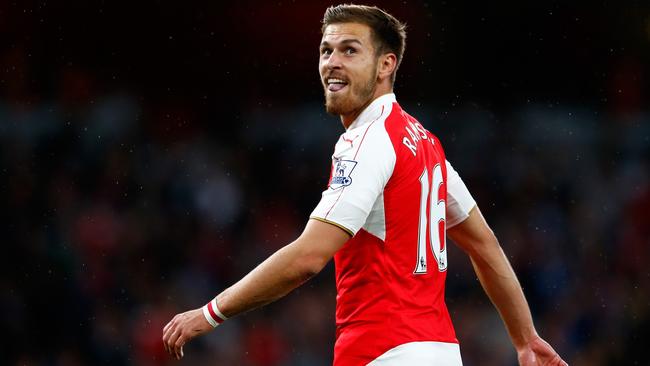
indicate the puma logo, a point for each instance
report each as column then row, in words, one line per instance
column 349, row 140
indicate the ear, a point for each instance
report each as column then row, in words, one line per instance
column 386, row 66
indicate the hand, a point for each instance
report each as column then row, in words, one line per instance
column 182, row 328
column 539, row 353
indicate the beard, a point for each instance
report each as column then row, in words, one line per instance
column 356, row 97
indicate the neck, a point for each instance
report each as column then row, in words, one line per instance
column 347, row 119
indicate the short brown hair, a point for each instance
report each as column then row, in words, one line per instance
column 389, row 34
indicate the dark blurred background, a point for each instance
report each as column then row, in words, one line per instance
column 154, row 152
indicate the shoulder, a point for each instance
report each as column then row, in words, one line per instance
column 406, row 133
column 399, row 123
column 368, row 138
column 396, row 117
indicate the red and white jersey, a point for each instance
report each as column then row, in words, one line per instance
column 392, row 189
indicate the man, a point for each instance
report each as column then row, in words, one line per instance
column 391, row 200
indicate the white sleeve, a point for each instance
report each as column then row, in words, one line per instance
column 459, row 200
column 360, row 171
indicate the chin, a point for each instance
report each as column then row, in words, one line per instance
column 332, row 105
column 333, row 109
column 338, row 105
column 336, row 108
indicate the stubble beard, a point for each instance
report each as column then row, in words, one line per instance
column 355, row 98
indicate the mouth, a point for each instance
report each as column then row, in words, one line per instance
column 335, row 84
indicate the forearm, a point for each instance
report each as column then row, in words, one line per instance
column 278, row 275
column 501, row 285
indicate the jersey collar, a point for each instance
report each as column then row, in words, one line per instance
column 374, row 110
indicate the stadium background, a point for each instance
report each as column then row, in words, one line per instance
column 152, row 153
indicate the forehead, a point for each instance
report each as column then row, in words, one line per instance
column 339, row 32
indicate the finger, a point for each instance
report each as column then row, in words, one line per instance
column 178, row 346
column 554, row 361
column 164, row 340
column 171, row 342
column 167, row 336
column 172, row 322
column 168, row 330
column 169, row 324
column 559, row 362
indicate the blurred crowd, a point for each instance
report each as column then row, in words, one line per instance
column 117, row 215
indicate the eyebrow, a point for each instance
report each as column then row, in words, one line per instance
column 343, row 42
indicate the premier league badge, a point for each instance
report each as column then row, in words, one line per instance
column 341, row 170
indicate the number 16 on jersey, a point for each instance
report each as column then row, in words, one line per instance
column 434, row 220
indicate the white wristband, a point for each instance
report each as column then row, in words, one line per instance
column 212, row 313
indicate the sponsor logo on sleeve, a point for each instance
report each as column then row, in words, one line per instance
column 341, row 170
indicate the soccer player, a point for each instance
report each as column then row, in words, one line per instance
column 391, row 201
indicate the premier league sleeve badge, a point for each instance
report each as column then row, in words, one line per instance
column 341, row 170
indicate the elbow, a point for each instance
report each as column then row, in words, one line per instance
column 303, row 266
column 310, row 266
column 308, row 259
column 308, row 256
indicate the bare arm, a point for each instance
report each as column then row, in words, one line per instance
column 500, row 283
column 282, row 272
column 285, row 270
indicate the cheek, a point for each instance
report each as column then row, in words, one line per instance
column 364, row 69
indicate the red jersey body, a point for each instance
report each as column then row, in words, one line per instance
column 389, row 190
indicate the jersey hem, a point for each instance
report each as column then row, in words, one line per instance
column 449, row 226
column 333, row 223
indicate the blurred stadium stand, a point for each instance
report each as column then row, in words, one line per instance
column 152, row 154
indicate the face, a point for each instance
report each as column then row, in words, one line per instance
column 348, row 68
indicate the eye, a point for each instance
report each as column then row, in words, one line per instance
column 350, row 51
column 325, row 51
